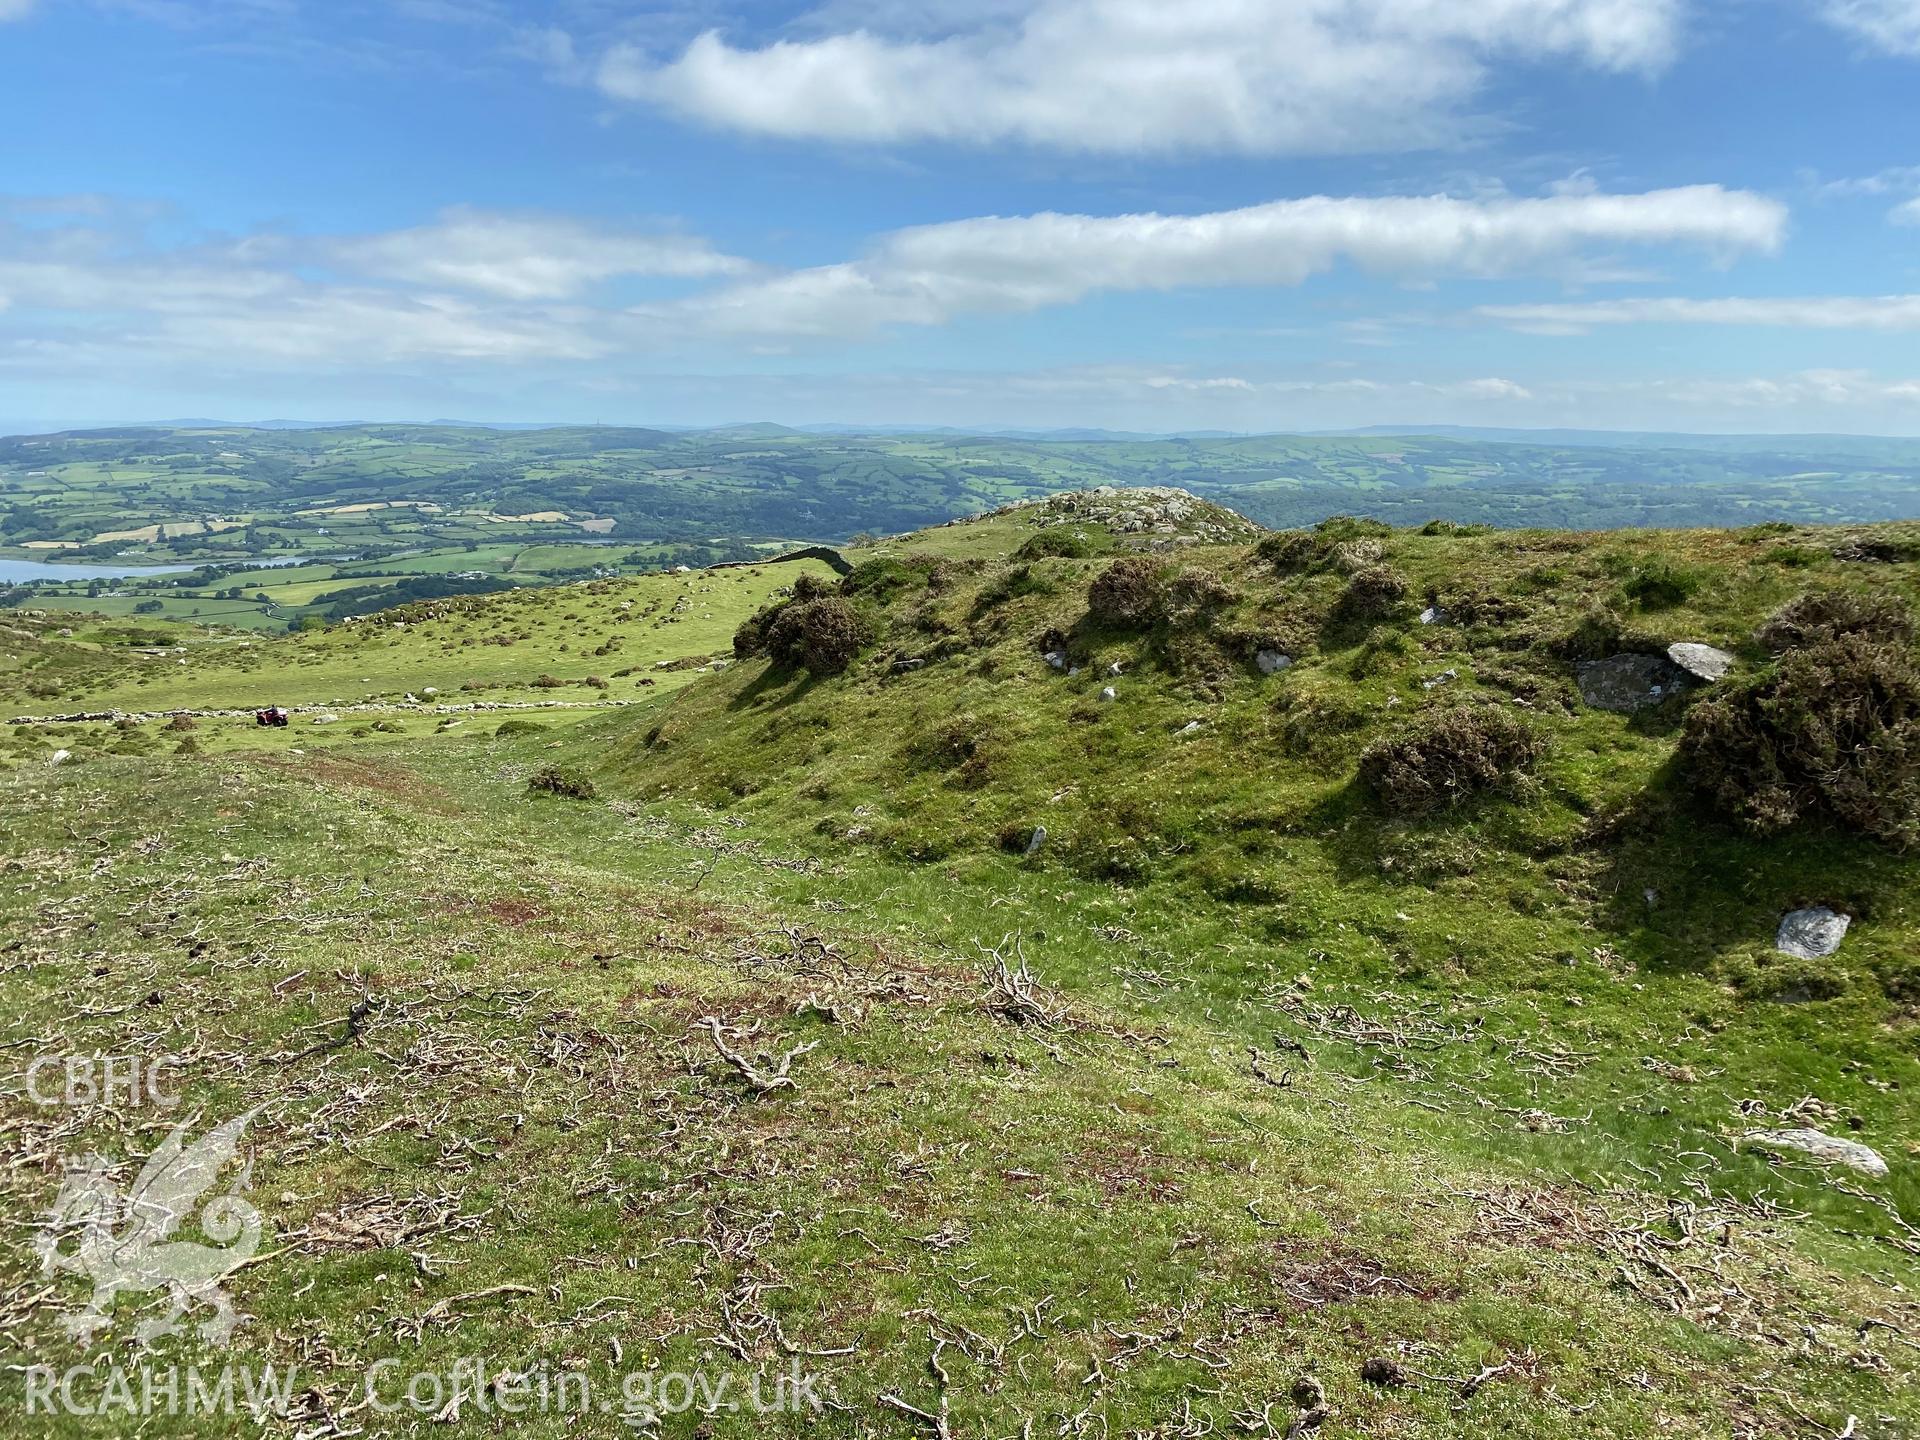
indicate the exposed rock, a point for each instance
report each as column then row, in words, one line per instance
column 1056, row 658
column 1039, row 839
column 1308, row 1393
column 1272, row 662
column 1433, row 615
column 1822, row 1146
column 1116, row 668
column 1171, row 516
column 60, row 757
column 1383, row 1372
column 907, row 667
column 327, row 719
column 1811, row 934
column 1190, row 728
column 1625, row 683
column 1703, row 662
column 1109, row 693
column 1445, row 677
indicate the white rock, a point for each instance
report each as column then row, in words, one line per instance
column 1189, row 728
column 1811, row 934
column 1822, row 1146
column 1272, row 662
column 60, row 757
column 1703, row 662
column 327, row 719
column 1109, row 693
column 1443, row 678
column 1433, row 615
column 1039, row 839
column 1116, row 668
column 1056, row 658
column 430, row 690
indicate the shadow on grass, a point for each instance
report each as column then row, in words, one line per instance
column 1684, row 888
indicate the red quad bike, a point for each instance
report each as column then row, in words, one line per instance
column 272, row 715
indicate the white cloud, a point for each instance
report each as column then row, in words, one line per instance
column 930, row 275
column 1889, row 25
column 472, row 287
column 1899, row 180
column 528, row 257
column 1907, row 214
column 1884, row 312
column 1322, row 76
column 15, row 9
column 87, row 291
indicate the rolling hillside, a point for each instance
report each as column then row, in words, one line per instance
column 1101, row 967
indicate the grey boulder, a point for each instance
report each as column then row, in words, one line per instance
column 1811, row 934
column 1703, row 662
column 1272, row 662
column 1822, row 1146
column 1625, row 683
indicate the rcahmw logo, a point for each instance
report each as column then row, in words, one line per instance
column 124, row 1243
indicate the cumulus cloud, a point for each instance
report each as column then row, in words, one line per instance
column 1889, row 25
column 472, row 286
column 930, row 275
column 1907, row 214
column 528, row 257
column 1833, row 312
column 477, row 286
column 1322, row 76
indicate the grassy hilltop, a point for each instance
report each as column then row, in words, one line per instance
column 1341, row 1026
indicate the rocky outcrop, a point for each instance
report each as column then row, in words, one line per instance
column 1159, row 514
column 1625, row 683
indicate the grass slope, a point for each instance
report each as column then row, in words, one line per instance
column 1268, row 1086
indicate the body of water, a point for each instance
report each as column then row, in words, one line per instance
column 18, row 572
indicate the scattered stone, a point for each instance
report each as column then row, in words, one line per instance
column 430, row 690
column 1445, row 677
column 60, row 757
column 327, row 719
column 1056, row 658
column 1116, row 668
column 1811, row 934
column 1308, row 1393
column 1109, row 693
column 905, row 667
column 1169, row 516
column 1703, row 662
column 1383, row 1372
column 1625, row 683
column 1433, row 615
column 1039, row 839
column 1189, row 728
column 1822, row 1146
column 1272, row 662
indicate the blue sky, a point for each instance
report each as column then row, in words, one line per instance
column 1234, row 214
